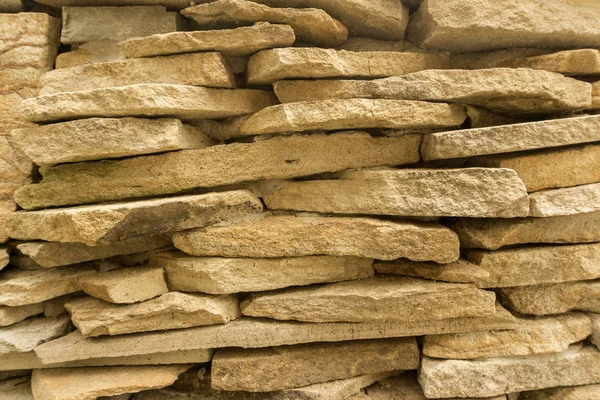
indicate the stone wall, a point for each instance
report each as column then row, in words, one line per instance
column 300, row 199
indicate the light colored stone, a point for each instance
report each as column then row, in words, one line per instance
column 460, row 271
column 580, row 62
column 4, row 257
column 502, row 90
column 489, row 25
column 16, row 389
column 115, row 23
column 229, row 42
column 224, row 129
column 478, row 117
column 147, row 100
column 11, row 6
column 91, row 52
column 511, row 138
column 10, row 113
column 12, row 315
column 27, row 335
column 595, row 339
column 565, row 393
column 317, row 235
column 470, row 378
column 565, row 201
column 596, row 95
column 172, row 310
column 263, row 370
column 554, row 298
column 472, row 192
column 355, row 43
column 273, row 65
column 91, row 383
column 218, row 275
column 108, row 223
column 279, row 157
column 170, row 4
column 503, row 58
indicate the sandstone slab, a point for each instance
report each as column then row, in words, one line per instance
column 564, row 393
column 4, row 257
column 356, row 43
column 502, row 58
column 273, row 65
column 170, row 4
column 12, row 315
column 460, row 271
column 90, row 52
column 27, row 335
column 595, row 339
column 472, row 192
column 580, row 62
column 280, row 157
column 108, row 223
column 309, row 24
column 565, row 201
column 16, row 388
column 218, row 275
column 11, row 6
column 147, row 100
column 511, row 138
column 263, row 370
column 488, row 25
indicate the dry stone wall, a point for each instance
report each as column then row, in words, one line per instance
column 299, row 199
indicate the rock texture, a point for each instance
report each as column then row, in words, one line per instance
column 27, row 335
column 12, row 315
column 565, row 201
column 566, row 393
column 4, row 257
column 90, row 52
column 460, row 271
column 595, row 339
column 580, row 62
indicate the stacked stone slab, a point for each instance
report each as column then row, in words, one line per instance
column 300, row 199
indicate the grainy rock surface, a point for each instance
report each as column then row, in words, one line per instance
column 18, row 388
column 580, row 62
column 565, row 201
column 595, row 339
column 564, row 393
column 460, row 271
column 27, row 335
column 90, row 52
column 12, row 315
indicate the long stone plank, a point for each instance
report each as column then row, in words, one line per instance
column 280, row 157
column 565, row 201
column 460, row 271
column 581, row 62
column 27, row 335
column 564, row 393
column 170, row 4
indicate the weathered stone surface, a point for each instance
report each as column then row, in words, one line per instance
column 27, row 335
column 115, row 23
column 90, row 52
column 4, row 257
column 555, row 298
column 10, row 113
column 503, row 58
column 263, row 370
column 147, row 100
column 479, row 117
column 108, row 223
column 564, row 393
column 315, row 235
column 470, row 378
column 172, row 310
column 218, row 275
column 502, row 90
column 595, row 339
column 170, row 4
column 224, row 129
column 229, row 42
column 269, row 66
column 16, row 389
column 91, row 383
column 510, row 138
column 565, row 201
column 580, row 62
column 571, row 166
column 11, row 6
column 12, row 315
column 472, row 192
column 460, row 271
column 488, row 25
column 355, row 43
column 280, row 157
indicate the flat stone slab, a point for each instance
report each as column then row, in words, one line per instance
column 27, row 335
column 264, row 370
column 273, row 65
column 242, row 41
column 581, row 62
column 130, row 220
column 101, row 138
column 595, row 339
column 317, row 235
column 502, row 90
column 444, row 25
column 170, row 4
column 511, row 138
column 565, row 201
column 563, row 393
column 12, row 315
column 90, row 52
column 472, row 192
column 4, row 257
column 463, row 378
column 310, row 25
column 219, row 275
column 18, row 388
column 147, row 100
column 460, row 271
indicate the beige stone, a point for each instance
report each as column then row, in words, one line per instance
column 218, row 275
column 170, row 4
column 11, row 6
column 554, row 298
column 595, row 338
column 10, row 114
column 470, row 378
column 12, row 315
column 503, row 58
column 315, row 235
column 502, row 90
column 273, row 65
column 511, row 138
column 108, row 223
column 16, row 389
column 4, row 257
column 27, row 335
column 115, row 23
column 147, row 100
column 565, row 201
column 479, row 117
column 472, row 192
column 460, row 271
column 263, row 370
column 356, row 43
column 489, row 25
column 564, row 393
column 280, row 157
column 90, row 52
column 91, row 383
column 225, row 129
column 580, row 62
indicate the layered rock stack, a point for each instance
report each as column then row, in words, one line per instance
column 300, row 199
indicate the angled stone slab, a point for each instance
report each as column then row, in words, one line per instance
column 273, row 65
column 264, row 370
column 564, row 393
column 130, row 220
column 310, row 25
column 565, row 201
column 90, row 52
column 27, row 335
column 280, row 157
column 502, row 90
column 12, row 315
column 317, row 235
column 101, row 138
column 476, row 192
column 488, row 25
column 147, row 100
column 579, row 62
column 4, row 257
column 219, row 275
column 18, row 388
column 571, row 166
column 242, row 41
column 595, row 339
column 463, row 378
column 511, row 138
column 460, row 271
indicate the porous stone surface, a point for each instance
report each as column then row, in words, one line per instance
column 18, row 388
column 4, row 257
column 595, row 338
column 27, row 335
column 581, row 62
column 12, row 315
column 565, row 201
column 460, row 271
column 563, row 393
column 357, row 43
column 502, row 58
column 170, row 4
column 90, row 52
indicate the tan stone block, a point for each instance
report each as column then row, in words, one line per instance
column 27, row 335
column 90, row 52
column 4, row 257
column 460, row 271
column 224, row 129
column 565, row 201
column 170, row 4
column 503, row 58
column 11, row 6
column 564, row 393
column 355, row 43
column 12, row 315
column 479, row 117
column 595, row 339
column 10, row 114
column 16, row 388
column 579, row 62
